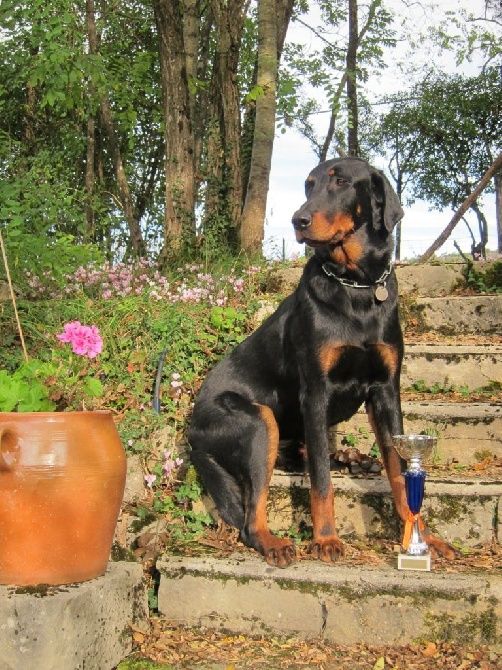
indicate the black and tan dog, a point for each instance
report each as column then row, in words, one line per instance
column 332, row 345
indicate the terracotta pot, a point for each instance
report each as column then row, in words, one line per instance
column 62, row 477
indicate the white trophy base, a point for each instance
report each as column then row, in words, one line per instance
column 409, row 562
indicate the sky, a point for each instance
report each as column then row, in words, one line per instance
column 293, row 157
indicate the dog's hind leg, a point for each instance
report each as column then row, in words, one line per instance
column 257, row 471
column 234, row 449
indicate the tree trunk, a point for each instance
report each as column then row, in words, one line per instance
column 273, row 20
column 90, row 178
column 135, row 236
column 483, row 232
column 399, row 193
column 498, row 209
column 191, row 41
column 353, row 121
column 149, row 182
column 284, row 13
column 229, row 20
column 344, row 81
column 335, row 110
column 253, row 215
column 204, row 107
column 29, row 119
column 179, row 219
column 495, row 167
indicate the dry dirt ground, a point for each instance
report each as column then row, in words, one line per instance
column 201, row 648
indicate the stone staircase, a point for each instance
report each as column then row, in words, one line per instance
column 460, row 345
column 462, row 509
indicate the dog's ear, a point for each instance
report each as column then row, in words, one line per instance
column 385, row 203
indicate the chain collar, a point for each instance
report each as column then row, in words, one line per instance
column 354, row 284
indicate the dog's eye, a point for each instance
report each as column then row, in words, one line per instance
column 309, row 185
column 339, row 181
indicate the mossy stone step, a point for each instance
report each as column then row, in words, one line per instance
column 344, row 604
column 466, row 432
column 450, row 315
column 473, row 366
column 463, row 511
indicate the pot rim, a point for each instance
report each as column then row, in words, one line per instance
column 83, row 412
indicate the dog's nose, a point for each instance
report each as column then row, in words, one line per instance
column 302, row 221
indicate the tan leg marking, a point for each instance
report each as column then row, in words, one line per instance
column 277, row 551
column 326, row 545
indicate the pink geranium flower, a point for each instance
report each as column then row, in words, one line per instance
column 85, row 340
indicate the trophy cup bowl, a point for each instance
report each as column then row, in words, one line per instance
column 415, row 449
column 412, row 447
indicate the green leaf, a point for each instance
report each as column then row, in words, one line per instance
column 9, row 393
column 255, row 93
column 93, row 387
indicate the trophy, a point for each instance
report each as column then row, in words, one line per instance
column 414, row 449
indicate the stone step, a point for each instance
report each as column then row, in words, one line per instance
column 466, row 432
column 343, row 604
column 472, row 366
column 429, row 279
column 462, row 511
column 74, row 627
column 480, row 314
column 418, row 280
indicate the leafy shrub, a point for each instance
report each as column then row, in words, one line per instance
column 484, row 281
column 25, row 390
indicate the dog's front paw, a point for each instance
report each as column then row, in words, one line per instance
column 279, row 552
column 327, row 549
column 439, row 547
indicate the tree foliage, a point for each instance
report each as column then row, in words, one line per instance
column 122, row 124
column 52, row 83
column 442, row 136
column 336, row 64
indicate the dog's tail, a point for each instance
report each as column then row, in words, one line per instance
column 221, row 486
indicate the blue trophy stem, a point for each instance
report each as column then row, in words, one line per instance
column 415, row 487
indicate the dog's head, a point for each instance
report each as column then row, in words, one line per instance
column 345, row 195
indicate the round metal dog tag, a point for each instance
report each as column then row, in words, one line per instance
column 381, row 293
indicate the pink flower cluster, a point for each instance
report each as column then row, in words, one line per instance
column 142, row 278
column 117, row 281
column 84, row 340
column 169, row 465
column 150, row 479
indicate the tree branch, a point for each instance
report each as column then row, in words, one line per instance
column 471, row 198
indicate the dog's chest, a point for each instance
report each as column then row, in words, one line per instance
column 342, row 362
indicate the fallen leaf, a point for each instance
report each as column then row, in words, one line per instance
column 430, row 649
column 380, row 664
